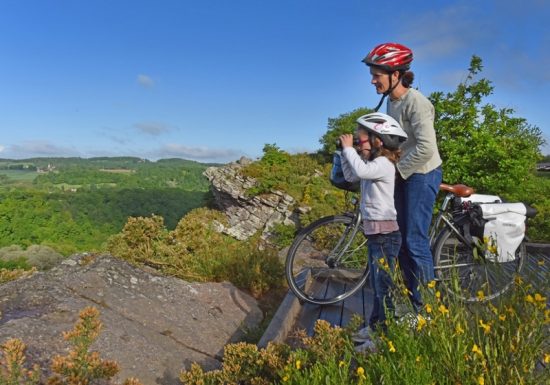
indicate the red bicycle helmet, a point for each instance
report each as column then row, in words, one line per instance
column 390, row 57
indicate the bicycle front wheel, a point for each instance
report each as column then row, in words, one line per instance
column 467, row 274
column 327, row 262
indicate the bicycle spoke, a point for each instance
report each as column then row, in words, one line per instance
column 468, row 274
column 332, row 251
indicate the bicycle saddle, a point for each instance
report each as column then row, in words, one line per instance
column 460, row 190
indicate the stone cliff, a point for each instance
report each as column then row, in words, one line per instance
column 246, row 215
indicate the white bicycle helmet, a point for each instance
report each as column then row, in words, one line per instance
column 385, row 127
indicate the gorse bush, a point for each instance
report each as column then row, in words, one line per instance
column 497, row 343
column 305, row 177
column 195, row 250
column 79, row 367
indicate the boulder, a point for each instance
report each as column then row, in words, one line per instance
column 153, row 326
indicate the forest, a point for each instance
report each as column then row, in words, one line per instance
column 75, row 204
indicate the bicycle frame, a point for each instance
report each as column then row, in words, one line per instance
column 443, row 215
column 347, row 238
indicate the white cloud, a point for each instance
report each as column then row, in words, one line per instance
column 196, row 153
column 152, row 128
column 38, row 148
column 445, row 32
column 145, row 81
column 2, row 148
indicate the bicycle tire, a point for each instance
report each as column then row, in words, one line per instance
column 465, row 274
column 327, row 262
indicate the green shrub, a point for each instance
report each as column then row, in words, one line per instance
column 196, row 251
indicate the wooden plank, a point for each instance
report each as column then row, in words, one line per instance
column 354, row 305
column 361, row 302
column 333, row 313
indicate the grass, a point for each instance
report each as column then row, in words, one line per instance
column 20, row 175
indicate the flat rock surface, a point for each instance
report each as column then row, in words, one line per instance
column 153, row 326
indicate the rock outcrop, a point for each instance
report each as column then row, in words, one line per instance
column 153, row 326
column 246, row 215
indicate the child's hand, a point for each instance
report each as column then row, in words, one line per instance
column 346, row 140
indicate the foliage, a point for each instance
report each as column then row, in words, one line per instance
column 196, row 250
column 80, row 366
column 54, row 214
column 12, row 365
column 39, row 256
column 482, row 146
column 302, row 176
column 497, row 343
column 343, row 124
column 10, row 274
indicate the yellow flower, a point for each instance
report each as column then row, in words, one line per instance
column 546, row 358
column 459, row 330
column 443, row 309
column 406, row 291
column 392, row 348
column 477, row 350
column 502, row 317
column 481, row 380
column 431, row 284
column 418, row 358
column 539, row 298
column 518, row 280
column 541, row 262
column 438, row 294
column 298, row 364
column 486, row 327
column 480, row 295
column 341, row 363
column 529, row 298
column 421, row 323
column 285, row 378
column 428, row 308
column 361, row 373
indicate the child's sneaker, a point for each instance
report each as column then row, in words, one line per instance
column 366, row 347
column 362, row 335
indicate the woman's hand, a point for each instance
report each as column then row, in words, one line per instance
column 346, row 140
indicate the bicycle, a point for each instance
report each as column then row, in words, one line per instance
column 327, row 261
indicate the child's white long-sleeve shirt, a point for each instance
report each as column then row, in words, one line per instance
column 377, row 184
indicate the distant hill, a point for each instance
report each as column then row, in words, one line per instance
column 99, row 162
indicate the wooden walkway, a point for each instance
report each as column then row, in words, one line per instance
column 292, row 315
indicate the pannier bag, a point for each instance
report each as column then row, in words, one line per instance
column 337, row 175
column 504, row 229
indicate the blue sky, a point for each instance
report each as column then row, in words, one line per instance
column 213, row 80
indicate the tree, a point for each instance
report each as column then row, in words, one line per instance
column 481, row 145
column 343, row 124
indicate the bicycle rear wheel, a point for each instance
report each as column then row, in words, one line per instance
column 327, row 262
column 468, row 275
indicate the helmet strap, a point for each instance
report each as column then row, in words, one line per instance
column 386, row 93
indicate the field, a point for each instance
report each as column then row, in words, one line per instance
column 19, row 175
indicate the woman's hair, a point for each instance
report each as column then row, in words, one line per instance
column 407, row 78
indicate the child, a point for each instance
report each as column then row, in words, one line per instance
column 373, row 163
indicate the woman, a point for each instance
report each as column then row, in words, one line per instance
column 419, row 168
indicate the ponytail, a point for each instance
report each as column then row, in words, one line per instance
column 407, row 79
